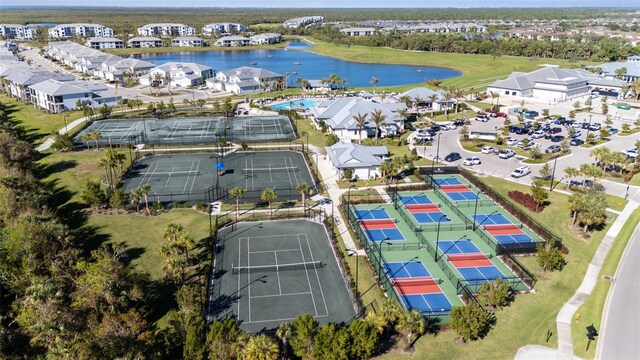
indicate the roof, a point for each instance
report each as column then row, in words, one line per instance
column 633, row 67
column 422, row 93
column 266, row 36
column 26, row 76
column 145, row 38
column 340, row 113
column 358, row 29
column 187, row 38
column 247, row 72
column 549, row 75
column 349, row 155
column 182, row 66
column 103, row 39
column 59, row 88
column 233, row 38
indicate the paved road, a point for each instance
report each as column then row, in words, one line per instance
column 620, row 332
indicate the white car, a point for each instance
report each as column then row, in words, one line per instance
column 632, row 153
column 538, row 134
column 506, row 153
column 471, row 160
column 521, row 171
column 448, row 126
column 483, row 118
column 512, row 141
column 488, row 150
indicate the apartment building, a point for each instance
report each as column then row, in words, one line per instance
column 166, row 30
column 265, row 39
column 100, row 43
column 145, row 42
column 187, row 41
column 80, row 30
column 302, row 21
column 17, row 32
column 223, row 29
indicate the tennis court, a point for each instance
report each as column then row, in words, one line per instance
column 451, row 180
column 426, row 214
column 270, row 272
column 461, row 246
column 420, row 199
column 459, row 192
column 200, row 130
column 373, row 214
column 381, row 230
column 491, row 219
column 477, row 275
column 416, row 287
column 193, row 177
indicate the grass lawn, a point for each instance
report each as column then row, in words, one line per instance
column 38, row 123
column 529, row 318
column 477, row 70
column 591, row 311
column 465, row 114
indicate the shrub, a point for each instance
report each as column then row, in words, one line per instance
column 347, row 173
column 471, row 322
column 550, row 258
column 331, row 139
column 495, row 294
column 525, row 199
column 204, row 207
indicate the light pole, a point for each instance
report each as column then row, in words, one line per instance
column 485, row 219
column 475, row 208
column 435, row 256
column 307, row 135
column 349, row 198
column 433, row 162
column 380, row 258
column 589, row 128
column 355, row 253
column 65, row 123
column 553, row 174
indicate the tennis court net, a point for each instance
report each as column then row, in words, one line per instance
column 170, row 173
column 270, row 169
column 421, row 206
column 416, row 281
column 473, row 256
column 502, row 227
column 278, row 267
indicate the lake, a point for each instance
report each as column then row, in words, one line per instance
column 299, row 63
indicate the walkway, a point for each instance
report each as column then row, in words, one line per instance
column 47, row 143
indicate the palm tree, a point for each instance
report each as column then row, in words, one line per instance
column 96, row 136
column 86, row 137
column 157, row 77
column 237, row 193
column 135, row 197
column 268, row 195
column 284, row 333
column 105, row 164
column 433, row 99
column 303, row 189
column 411, row 322
column 493, row 95
column 239, row 346
column 361, row 120
column 378, row 118
column 571, row 172
column 374, row 81
column 601, row 154
column 168, row 78
column 144, row 191
column 261, row 347
column 406, row 100
column 447, row 98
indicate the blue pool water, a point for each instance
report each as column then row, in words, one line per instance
column 297, row 104
column 307, row 65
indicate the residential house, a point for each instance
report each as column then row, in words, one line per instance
column 18, row 79
column 233, row 41
column 100, row 43
column 339, row 115
column 145, row 42
column 223, row 29
column 363, row 161
column 57, row 96
column 17, row 32
column 119, row 69
column 79, row 30
column 245, row 80
column 180, row 74
column 358, row 31
column 630, row 69
column 421, row 98
column 187, row 41
column 265, row 39
column 302, row 21
column 166, row 30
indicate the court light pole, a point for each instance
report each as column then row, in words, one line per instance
column 553, row 174
column 65, row 123
column 433, row 162
column 355, row 253
column 475, row 209
column 444, row 216
column 485, row 219
column 380, row 259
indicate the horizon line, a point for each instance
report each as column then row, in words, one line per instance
column 611, row 6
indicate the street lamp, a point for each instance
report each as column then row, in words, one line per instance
column 380, row 258
column 435, row 256
column 553, row 174
column 355, row 253
column 433, row 162
column 307, row 134
column 475, row 208
column 65, row 123
column 589, row 128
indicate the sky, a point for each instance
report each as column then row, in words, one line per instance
column 332, row 3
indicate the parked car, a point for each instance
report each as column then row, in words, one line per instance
column 552, row 149
column 501, row 114
column 521, row 171
column 506, row 153
column 585, row 183
column 595, row 127
column 483, row 118
column 576, row 142
column 557, row 138
column 576, row 134
column 559, row 120
column 488, row 150
column 555, row 130
column 471, row 160
column 452, row 157
column 612, row 130
column 435, row 127
column 531, row 114
column 632, row 153
column 449, row 126
column 538, row 134
column 576, row 125
column 511, row 141
column 584, row 125
column 460, row 122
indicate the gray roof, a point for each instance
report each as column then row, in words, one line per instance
column 550, row 75
column 233, row 38
column 633, row 67
column 186, row 66
column 350, row 155
column 103, row 39
column 59, row 88
column 28, row 77
column 187, row 38
column 247, row 72
column 340, row 113
column 145, row 38
column 266, row 36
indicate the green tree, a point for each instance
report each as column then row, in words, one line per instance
column 304, row 189
column 61, row 142
column 261, row 347
column 331, row 139
column 378, row 118
column 305, row 328
column 464, row 132
column 540, row 194
column 361, row 121
column 495, row 294
column 604, row 105
column 268, row 195
column 411, row 322
column 134, row 196
column 471, row 321
column 374, row 81
column 93, row 195
column 118, row 199
column 550, row 258
column 545, row 171
column 144, row 191
column 332, row 342
column 237, row 193
column 284, row 333
column 105, row 111
column 364, row 339
column 222, row 334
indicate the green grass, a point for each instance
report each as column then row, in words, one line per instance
column 477, row 70
column 464, row 114
column 591, row 311
column 529, row 318
column 316, row 137
column 38, row 123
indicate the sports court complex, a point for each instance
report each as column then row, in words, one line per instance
column 193, row 130
column 430, row 249
column 192, row 178
column 269, row 272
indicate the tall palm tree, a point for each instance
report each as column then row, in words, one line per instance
column 157, row 77
column 168, row 78
column 361, row 120
column 135, row 197
column 261, row 347
column 96, row 136
column 144, row 191
column 433, row 99
column 303, row 189
column 86, row 137
column 406, row 100
column 411, row 322
column 237, row 193
column 284, row 333
column 447, row 98
column 374, row 81
column 378, row 118
column 601, row 154
column 571, row 172
column 268, row 195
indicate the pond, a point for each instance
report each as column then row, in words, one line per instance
column 307, row 65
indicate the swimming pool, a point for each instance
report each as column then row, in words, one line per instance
column 296, row 104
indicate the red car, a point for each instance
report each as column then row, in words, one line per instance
column 501, row 114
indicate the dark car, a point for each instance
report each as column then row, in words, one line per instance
column 452, row 157
column 557, row 138
column 435, row 127
column 459, row 122
column 555, row 130
column 584, row 125
column 576, row 142
column 612, row 131
column 560, row 121
column 530, row 114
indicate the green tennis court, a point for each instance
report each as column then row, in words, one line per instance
column 193, row 178
column 268, row 273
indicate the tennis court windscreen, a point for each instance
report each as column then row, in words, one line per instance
column 278, row 267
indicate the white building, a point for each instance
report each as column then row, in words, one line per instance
column 301, row 21
column 187, row 41
column 166, row 29
column 223, row 29
column 117, row 69
column 57, row 96
column 340, row 117
column 80, row 30
column 233, row 41
column 18, row 79
column 181, row 74
column 265, row 39
column 145, row 42
column 357, row 31
column 17, row 32
column 245, row 80
column 100, row 43
column 364, row 161
column 422, row 97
